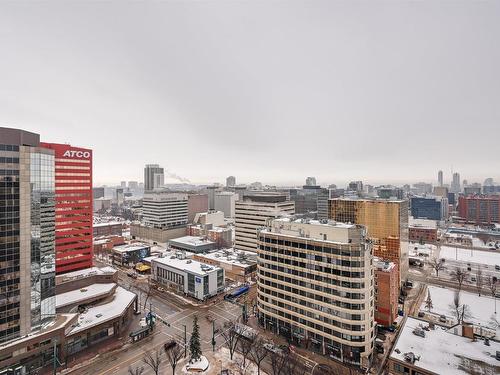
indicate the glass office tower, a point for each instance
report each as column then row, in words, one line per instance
column 27, row 219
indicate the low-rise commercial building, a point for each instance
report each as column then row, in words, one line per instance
column 131, row 254
column 421, row 230
column 239, row 265
column 192, row 244
column 83, row 278
column 188, row 276
column 426, row 349
column 158, row 235
column 222, row 237
column 386, row 292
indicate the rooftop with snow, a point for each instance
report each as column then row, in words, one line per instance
column 79, row 295
column 444, row 351
column 237, row 257
column 87, row 272
column 188, row 265
column 104, row 312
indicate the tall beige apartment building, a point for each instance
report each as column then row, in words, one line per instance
column 252, row 212
column 315, row 286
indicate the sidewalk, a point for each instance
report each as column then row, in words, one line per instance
column 304, row 353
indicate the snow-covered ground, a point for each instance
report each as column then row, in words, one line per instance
column 490, row 258
column 482, row 309
column 199, row 366
column 222, row 357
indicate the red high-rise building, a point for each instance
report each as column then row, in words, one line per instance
column 73, row 179
column 479, row 209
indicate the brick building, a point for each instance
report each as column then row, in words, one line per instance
column 479, row 209
column 386, row 292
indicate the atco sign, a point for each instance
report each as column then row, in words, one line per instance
column 78, row 154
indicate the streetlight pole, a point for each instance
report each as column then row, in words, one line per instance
column 185, row 340
column 213, row 336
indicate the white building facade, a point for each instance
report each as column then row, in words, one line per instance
column 188, row 276
column 164, row 210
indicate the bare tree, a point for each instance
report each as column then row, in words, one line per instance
column 278, row 362
column 294, row 366
column 149, row 289
column 135, row 371
column 459, row 275
column 323, row 369
column 460, row 311
column 492, row 284
column 258, row 353
column 428, row 301
column 153, row 359
column 244, row 347
column 231, row 338
column 242, row 367
column 479, row 281
column 437, row 265
column 174, row 355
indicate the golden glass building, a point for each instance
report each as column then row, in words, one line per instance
column 386, row 222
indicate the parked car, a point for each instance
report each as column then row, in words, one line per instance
column 473, row 279
column 442, row 318
column 421, row 314
column 497, row 267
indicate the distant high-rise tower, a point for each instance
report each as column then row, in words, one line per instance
column 123, row 184
column 153, row 177
column 440, row 178
column 311, row 181
column 455, row 183
column 230, row 181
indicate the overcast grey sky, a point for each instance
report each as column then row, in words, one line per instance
column 265, row 90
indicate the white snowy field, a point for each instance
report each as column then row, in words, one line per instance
column 482, row 309
column 490, row 258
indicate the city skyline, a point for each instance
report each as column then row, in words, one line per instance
column 168, row 83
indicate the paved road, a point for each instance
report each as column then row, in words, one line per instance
column 178, row 312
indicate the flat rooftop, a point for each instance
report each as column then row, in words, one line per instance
column 104, row 312
column 327, row 223
column 60, row 320
column 191, row 241
column 107, row 224
column 87, row 272
column 187, row 265
column 239, row 258
column 79, row 295
column 131, row 247
column 422, row 223
column 443, row 352
column 382, row 265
